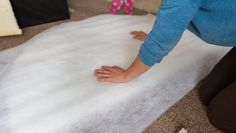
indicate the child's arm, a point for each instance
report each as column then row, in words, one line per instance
column 172, row 19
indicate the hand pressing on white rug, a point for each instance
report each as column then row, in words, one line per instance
column 139, row 35
column 119, row 75
column 111, row 74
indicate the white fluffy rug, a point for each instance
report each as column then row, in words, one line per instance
column 47, row 84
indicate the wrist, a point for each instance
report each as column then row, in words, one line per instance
column 126, row 76
column 136, row 69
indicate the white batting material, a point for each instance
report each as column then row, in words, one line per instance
column 47, row 84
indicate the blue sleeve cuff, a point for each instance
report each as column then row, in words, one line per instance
column 146, row 57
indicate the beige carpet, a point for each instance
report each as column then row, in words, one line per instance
column 188, row 112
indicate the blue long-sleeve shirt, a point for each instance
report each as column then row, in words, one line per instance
column 214, row 21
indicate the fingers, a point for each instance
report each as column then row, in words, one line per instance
column 141, row 38
column 133, row 32
column 104, row 76
column 139, row 35
column 102, row 73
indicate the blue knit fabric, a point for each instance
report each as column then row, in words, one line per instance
column 214, row 21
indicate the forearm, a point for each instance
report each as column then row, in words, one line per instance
column 136, row 68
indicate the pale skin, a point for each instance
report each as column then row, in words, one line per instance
column 119, row 75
